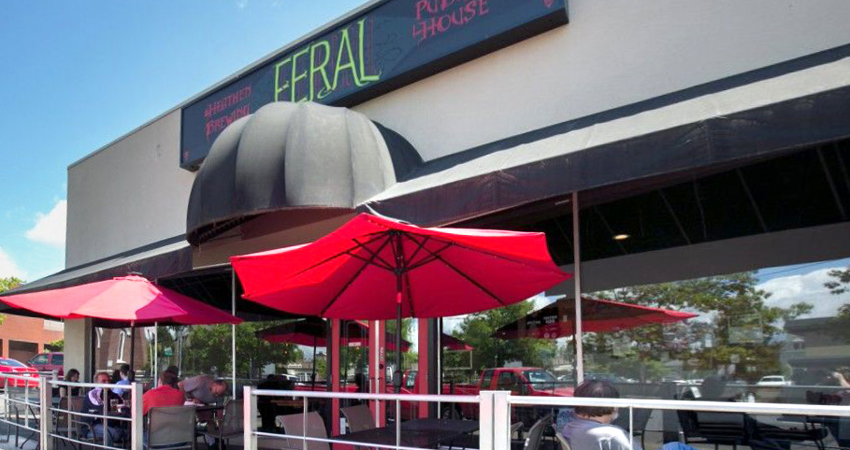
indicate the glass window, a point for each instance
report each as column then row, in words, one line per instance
column 39, row 359
column 487, row 379
column 410, row 383
column 10, row 363
column 58, row 359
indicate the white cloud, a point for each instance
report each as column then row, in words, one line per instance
column 241, row 4
column 8, row 268
column 50, row 228
column 808, row 288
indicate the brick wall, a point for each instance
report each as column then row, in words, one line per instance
column 29, row 330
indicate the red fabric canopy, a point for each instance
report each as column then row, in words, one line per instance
column 598, row 316
column 311, row 333
column 453, row 343
column 132, row 299
column 378, row 269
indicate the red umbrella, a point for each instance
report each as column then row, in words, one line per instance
column 453, row 343
column 378, row 269
column 132, row 299
column 311, row 333
column 598, row 316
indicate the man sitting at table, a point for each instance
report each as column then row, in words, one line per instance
column 203, row 390
column 93, row 404
column 166, row 394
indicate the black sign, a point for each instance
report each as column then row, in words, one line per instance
column 394, row 43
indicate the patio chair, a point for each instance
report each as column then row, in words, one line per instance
column 535, row 433
column 20, row 413
column 562, row 441
column 293, row 425
column 228, row 426
column 171, row 427
column 716, row 429
column 65, row 424
column 358, row 418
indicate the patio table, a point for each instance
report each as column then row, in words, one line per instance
column 421, row 433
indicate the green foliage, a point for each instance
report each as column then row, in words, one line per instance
column 735, row 326
column 207, row 349
column 6, row 284
column 477, row 330
column 56, row 346
column 841, row 281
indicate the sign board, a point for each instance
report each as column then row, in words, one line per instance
column 168, row 352
column 389, row 45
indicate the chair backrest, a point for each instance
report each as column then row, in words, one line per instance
column 562, row 441
column 170, row 426
column 535, row 433
column 359, row 418
column 293, row 425
column 234, row 412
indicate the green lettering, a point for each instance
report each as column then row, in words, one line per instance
column 363, row 77
column 314, row 69
column 296, row 77
column 277, row 86
column 345, row 48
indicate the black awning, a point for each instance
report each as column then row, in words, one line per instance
column 757, row 114
column 152, row 261
column 289, row 156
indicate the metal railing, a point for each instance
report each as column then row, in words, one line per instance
column 251, row 432
column 498, row 408
column 28, row 404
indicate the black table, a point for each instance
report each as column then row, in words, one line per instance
column 422, row 433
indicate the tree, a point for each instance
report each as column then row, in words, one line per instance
column 7, row 284
column 841, row 282
column 477, row 330
column 736, row 327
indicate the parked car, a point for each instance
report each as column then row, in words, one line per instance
column 15, row 367
column 774, row 380
column 48, row 362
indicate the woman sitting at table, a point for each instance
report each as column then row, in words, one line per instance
column 93, row 404
column 72, row 376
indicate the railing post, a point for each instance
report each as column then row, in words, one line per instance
column 45, row 398
column 137, row 418
column 485, row 419
column 501, row 420
column 250, row 419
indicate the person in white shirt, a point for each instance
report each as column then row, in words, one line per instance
column 591, row 428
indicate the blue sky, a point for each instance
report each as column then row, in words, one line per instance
column 79, row 74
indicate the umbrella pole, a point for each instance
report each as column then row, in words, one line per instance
column 397, row 377
column 313, row 375
column 133, row 347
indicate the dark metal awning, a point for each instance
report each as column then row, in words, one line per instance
column 152, row 261
column 753, row 115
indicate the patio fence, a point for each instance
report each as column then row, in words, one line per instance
column 498, row 412
column 31, row 406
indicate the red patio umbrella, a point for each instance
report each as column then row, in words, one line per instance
column 378, row 269
column 311, row 333
column 557, row 319
column 132, row 299
column 453, row 343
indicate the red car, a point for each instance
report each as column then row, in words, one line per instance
column 47, row 362
column 14, row 367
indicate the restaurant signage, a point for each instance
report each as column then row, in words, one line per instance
column 393, row 43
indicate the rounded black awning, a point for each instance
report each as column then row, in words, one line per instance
column 294, row 156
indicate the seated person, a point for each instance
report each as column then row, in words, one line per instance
column 590, row 427
column 93, row 404
column 166, row 394
column 203, row 389
column 124, row 378
column 72, row 376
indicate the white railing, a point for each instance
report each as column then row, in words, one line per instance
column 497, row 410
column 135, row 420
column 30, row 404
column 250, row 416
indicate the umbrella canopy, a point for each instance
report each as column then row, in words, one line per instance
column 379, row 269
column 453, row 343
column 311, row 332
column 598, row 316
column 132, row 299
